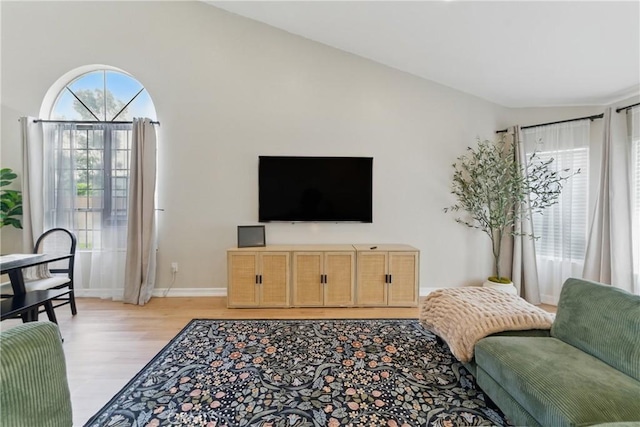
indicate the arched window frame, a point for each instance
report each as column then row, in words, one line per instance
column 100, row 186
column 76, row 86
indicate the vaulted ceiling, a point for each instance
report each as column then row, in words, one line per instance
column 513, row 53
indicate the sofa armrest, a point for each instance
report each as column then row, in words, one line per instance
column 33, row 377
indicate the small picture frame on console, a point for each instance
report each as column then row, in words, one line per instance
column 251, row 236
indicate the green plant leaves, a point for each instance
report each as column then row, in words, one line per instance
column 6, row 176
column 10, row 200
column 491, row 187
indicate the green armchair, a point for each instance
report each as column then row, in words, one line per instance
column 33, row 377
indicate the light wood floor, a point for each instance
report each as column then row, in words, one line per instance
column 108, row 342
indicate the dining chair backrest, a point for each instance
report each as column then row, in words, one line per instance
column 58, row 240
column 58, row 274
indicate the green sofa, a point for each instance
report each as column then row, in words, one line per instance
column 33, row 377
column 586, row 372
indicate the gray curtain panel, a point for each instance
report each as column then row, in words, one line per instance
column 609, row 256
column 524, row 271
column 140, row 267
column 32, row 181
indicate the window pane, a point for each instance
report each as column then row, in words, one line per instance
column 82, row 200
column 97, row 199
column 63, row 109
column 121, row 159
column 122, row 140
column 80, row 139
column 89, row 88
column 122, row 89
column 96, row 139
column 562, row 228
column 66, row 140
column 142, row 106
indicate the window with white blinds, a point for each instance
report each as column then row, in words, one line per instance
column 635, row 159
column 634, row 134
column 561, row 230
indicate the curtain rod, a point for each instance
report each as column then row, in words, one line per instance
column 88, row 122
column 597, row 116
column 628, row 107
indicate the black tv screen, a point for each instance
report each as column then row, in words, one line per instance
column 332, row 189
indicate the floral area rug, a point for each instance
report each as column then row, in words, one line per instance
column 297, row 373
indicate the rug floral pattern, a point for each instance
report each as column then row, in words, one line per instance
column 299, row 373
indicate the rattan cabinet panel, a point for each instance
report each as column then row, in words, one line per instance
column 308, row 289
column 402, row 287
column 274, row 286
column 258, row 279
column 323, row 278
column 242, row 268
column 388, row 275
column 372, row 271
column 340, row 278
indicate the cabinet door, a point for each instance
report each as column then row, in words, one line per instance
column 372, row 270
column 274, row 289
column 403, row 286
column 307, row 286
column 242, row 268
column 339, row 270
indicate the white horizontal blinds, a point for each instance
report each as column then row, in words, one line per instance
column 634, row 138
column 562, row 229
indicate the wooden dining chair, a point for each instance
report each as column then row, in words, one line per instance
column 55, row 275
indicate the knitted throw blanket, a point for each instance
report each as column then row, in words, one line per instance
column 463, row 316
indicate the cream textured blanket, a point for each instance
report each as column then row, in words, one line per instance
column 463, row 316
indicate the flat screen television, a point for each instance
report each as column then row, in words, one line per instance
column 315, row 189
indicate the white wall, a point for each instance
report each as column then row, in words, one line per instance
column 228, row 89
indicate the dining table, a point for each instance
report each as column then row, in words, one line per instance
column 13, row 264
column 23, row 303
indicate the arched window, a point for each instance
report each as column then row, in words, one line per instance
column 88, row 147
column 103, row 95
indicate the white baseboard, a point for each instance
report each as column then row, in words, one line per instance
column 190, row 292
column 157, row 292
column 99, row 293
column 187, row 292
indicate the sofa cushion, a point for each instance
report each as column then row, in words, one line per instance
column 602, row 320
column 557, row 383
column 471, row 365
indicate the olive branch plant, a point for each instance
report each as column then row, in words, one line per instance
column 492, row 188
